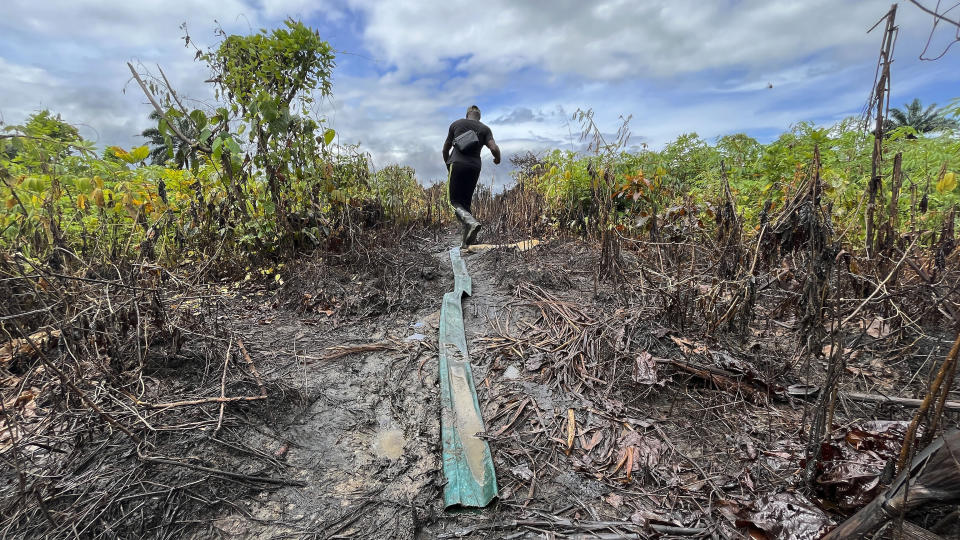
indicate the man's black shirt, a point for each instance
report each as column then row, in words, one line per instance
column 471, row 158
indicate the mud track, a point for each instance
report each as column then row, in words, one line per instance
column 365, row 440
column 677, row 458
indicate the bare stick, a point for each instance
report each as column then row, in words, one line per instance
column 203, row 401
column 83, row 397
column 935, row 387
column 878, row 94
column 880, row 285
column 172, row 91
column 253, row 368
column 220, row 472
column 159, row 109
column 339, row 352
column 223, row 386
column 906, row 402
column 576, row 525
column 935, row 14
column 941, row 403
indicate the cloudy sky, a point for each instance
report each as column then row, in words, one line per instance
column 405, row 70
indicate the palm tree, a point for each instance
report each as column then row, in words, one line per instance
column 183, row 154
column 924, row 121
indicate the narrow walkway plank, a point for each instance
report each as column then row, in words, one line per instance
column 467, row 462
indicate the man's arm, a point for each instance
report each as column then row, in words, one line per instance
column 447, row 145
column 494, row 149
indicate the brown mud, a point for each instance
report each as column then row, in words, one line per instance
column 654, row 451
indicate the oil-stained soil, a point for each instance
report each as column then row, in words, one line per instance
column 652, row 445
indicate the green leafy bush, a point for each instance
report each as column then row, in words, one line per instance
column 687, row 170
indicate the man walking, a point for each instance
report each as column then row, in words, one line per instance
column 466, row 137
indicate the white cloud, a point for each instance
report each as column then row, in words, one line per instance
column 684, row 65
column 20, row 85
column 94, row 26
column 79, row 49
column 676, row 65
column 17, row 76
column 615, row 39
column 299, row 9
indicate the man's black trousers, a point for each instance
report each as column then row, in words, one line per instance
column 463, row 180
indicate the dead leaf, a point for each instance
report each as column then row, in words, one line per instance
column 621, row 461
column 783, row 515
column 647, row 449
column 614, row 500
column 593, row 441
column 522, row 472
column 534, row 362
column 746, row 479
column 684, row 344
column 645, row 371
column 691, row 481
column 751, row 451
column 853, row 462
column 637, row 422
column 19, row 346
column 26, row 397
column 859, row 372
column 877, row 328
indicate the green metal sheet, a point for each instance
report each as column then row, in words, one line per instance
column 461, row 278
column 467, row 462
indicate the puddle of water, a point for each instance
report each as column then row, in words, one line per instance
column 389, row 443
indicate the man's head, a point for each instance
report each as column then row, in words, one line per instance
column 473, row 112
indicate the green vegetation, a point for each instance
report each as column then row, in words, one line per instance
column 296, row 185
column 257, row 173
column 923, row 121
column 687, row 173
column 164, row 147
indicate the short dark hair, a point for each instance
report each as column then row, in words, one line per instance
column 473, row 109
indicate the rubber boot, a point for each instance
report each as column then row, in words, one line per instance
column 470, row 226
column 458, row 212
column 473, row 231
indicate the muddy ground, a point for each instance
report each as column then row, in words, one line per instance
column 656, row 448
column 365, row 437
